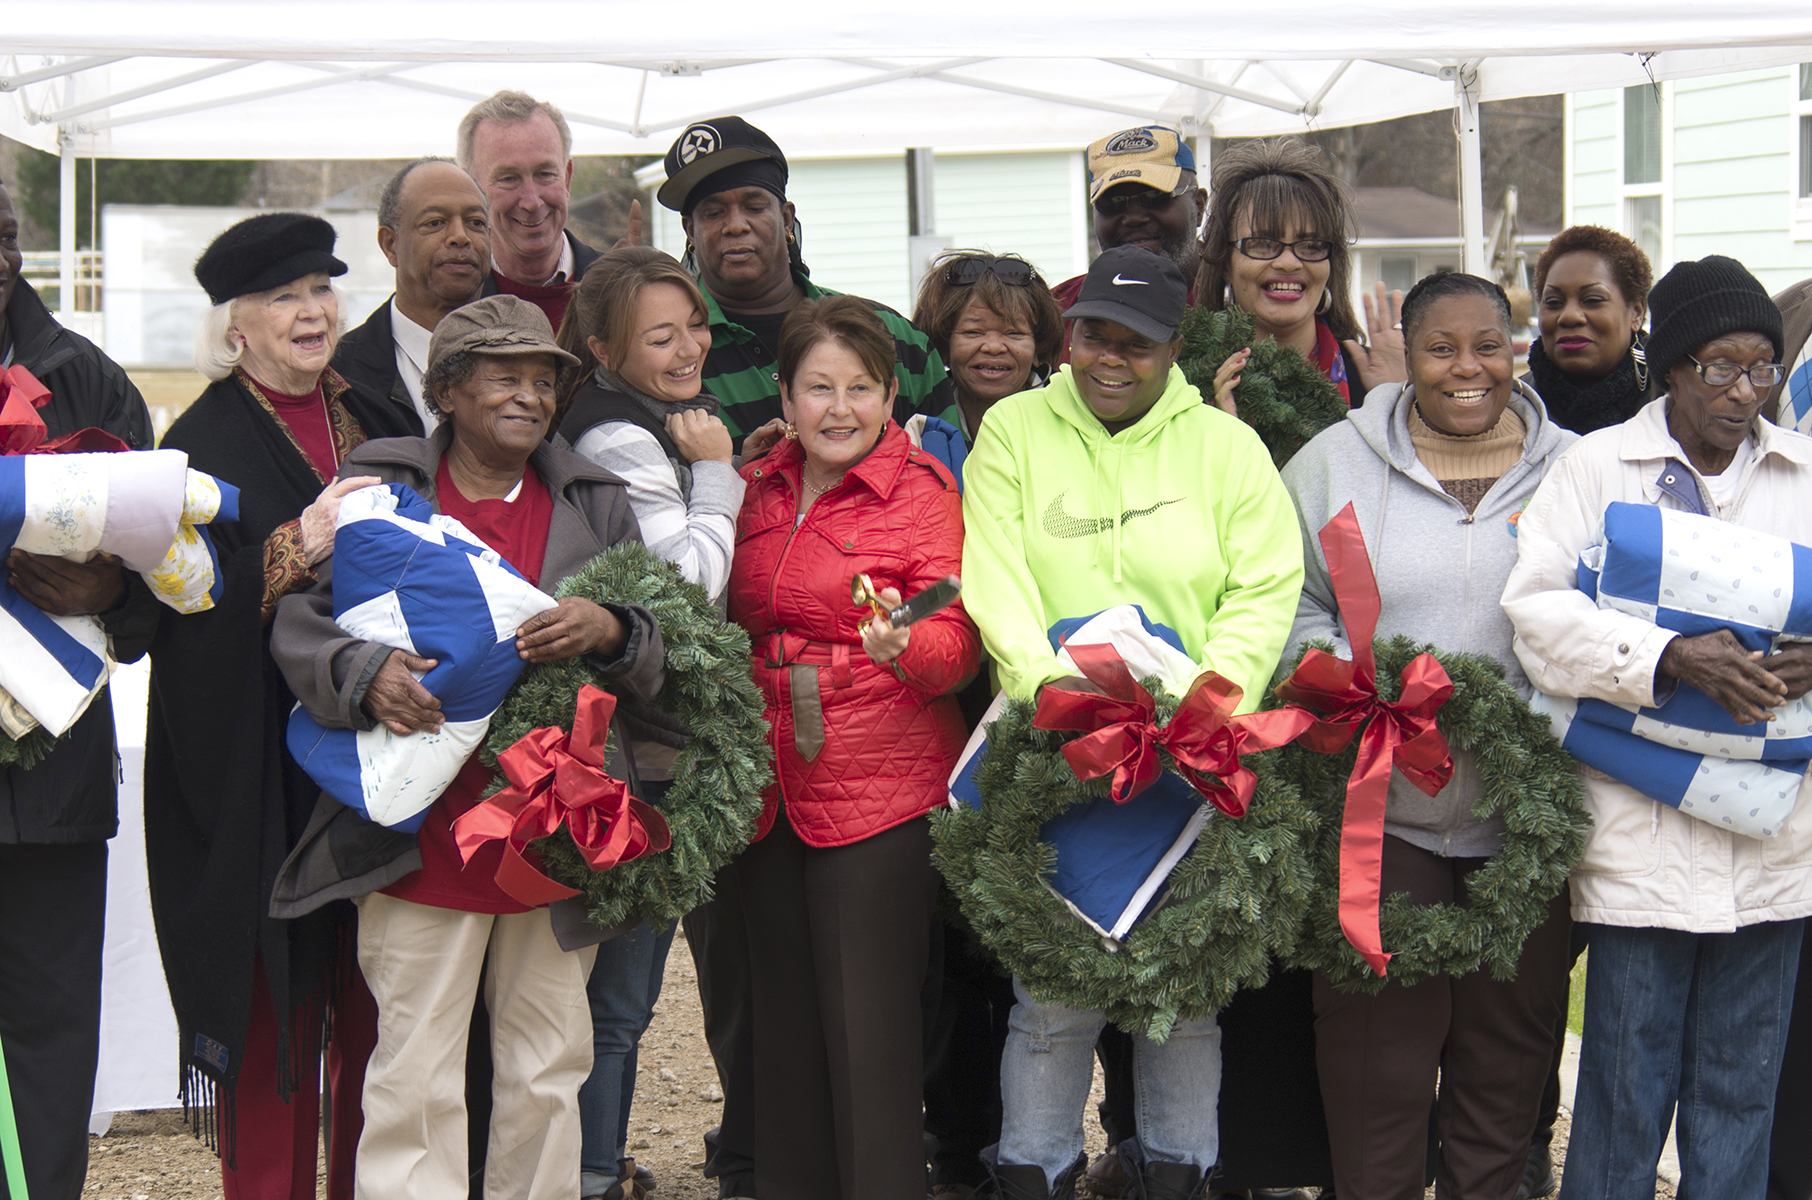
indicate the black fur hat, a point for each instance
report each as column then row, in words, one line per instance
column 264, row 252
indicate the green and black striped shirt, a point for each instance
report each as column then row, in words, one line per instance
column 741, row 373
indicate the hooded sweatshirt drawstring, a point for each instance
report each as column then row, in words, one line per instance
column 1095, row 483
column 1119, row 508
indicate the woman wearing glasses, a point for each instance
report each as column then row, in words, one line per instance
column 1695, row 929
column 1276, row 246
column 992, row 319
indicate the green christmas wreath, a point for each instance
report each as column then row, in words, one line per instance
column 717, row 780
column 28, row 751
column 1526, row 777
column 1282, row 395
column 1233, row 902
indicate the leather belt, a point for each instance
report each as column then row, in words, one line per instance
column 804, row 659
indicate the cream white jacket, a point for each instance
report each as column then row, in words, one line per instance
column 1647, row 864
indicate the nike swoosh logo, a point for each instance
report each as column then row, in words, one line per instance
column 1124, row 282
column 1060, row 524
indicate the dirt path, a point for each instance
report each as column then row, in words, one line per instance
column 151, row 1155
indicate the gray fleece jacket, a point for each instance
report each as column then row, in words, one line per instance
column 1440, row 571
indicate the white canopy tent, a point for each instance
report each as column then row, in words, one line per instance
column 344, row 79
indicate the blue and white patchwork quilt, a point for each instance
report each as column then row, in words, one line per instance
column 1696, row 575
column 409, row 577
column 1112, row 859
column 145, row 507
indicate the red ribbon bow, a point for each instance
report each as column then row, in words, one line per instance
column 22, row 430
column 1203, row 735
column 1399, row 733
column 556, row 778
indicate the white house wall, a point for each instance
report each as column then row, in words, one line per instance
column 1728, row 147
column 854, row 214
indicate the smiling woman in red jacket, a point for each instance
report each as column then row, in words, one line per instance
column 838, row 886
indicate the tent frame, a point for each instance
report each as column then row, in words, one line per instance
column 75, row 121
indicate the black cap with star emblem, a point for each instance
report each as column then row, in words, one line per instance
column 708, row 147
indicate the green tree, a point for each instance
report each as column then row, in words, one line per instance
column 127, row 181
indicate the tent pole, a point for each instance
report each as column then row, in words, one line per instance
column 1472, row 186
column 66, row 227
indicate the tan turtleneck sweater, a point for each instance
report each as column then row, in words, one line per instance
column 1466, row 467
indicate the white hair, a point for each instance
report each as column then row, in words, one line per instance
column 218, row 350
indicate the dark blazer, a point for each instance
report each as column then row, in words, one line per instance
column 72, row 796
column 366, row 358
column 583, row 257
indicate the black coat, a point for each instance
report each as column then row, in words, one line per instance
column 366, row 358
column 72, row 796
column 223, row 798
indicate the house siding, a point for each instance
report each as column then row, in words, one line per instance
column 1728, row 187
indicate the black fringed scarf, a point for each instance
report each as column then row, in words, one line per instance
column 223, row 798
column 1585, row 407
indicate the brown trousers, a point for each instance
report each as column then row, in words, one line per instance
column 839, row 946
column 1489, row 1042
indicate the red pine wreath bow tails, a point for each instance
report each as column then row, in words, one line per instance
column 1400, row 733
column 1121, row 737
column 556, row 777
column 22, row 430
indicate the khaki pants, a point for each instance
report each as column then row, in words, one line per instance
column 423, row 965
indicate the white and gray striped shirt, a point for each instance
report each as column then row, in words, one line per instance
column 697, row 537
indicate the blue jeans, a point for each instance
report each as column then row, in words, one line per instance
column 624, row 985
column 1698, row 1020
column 1049, row 1064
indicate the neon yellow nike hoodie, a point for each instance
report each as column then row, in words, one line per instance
column 1182, row 513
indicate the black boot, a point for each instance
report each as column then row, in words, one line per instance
column 1538, row 1173
column 1161, row 1180
column 1013, row 1182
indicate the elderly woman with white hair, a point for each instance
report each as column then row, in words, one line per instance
column 223, row 798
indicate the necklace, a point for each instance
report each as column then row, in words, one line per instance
column 819, row 491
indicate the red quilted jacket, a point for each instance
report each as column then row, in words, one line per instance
column 882, row 751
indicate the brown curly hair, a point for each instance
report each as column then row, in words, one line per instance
column 942, row 303
column 1629, row 266
column 1275, row 181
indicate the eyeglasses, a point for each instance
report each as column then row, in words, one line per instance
column 1725, row 374
column 1147, row 199
column 1265, row 249
column 964, row 272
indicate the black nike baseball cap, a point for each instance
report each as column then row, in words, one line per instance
column 1141, row 289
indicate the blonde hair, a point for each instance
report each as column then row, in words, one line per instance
column 217, row 351
column 507, row 107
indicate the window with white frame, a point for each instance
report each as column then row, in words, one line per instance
column 1644, row 169
column 1801, row 191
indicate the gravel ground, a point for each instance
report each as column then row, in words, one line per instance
column 152, row 1156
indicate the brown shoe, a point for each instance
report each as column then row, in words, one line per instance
column 1106, row 1178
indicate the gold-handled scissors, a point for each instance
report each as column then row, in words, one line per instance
column 938, row 596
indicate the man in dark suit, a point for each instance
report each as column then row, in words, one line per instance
column 434, row 229
column 520, row 151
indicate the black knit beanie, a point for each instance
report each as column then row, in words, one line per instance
column 1698, row 302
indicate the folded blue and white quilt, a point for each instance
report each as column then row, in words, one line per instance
column 1696, row 575
column 409, row 577
column 1112, row 859
column 145, row 507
